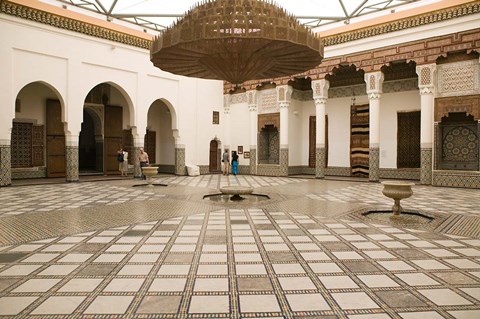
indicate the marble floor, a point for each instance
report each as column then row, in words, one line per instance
column 110, row 250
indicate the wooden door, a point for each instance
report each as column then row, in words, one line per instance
column 55, row 140
column 150, row 145
column 213, row 156
column 312, row 141
column 359, row 140
column 408, row 139
column 113, row 138
column 128, row 144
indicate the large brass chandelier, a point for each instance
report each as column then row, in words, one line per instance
column 236, row 41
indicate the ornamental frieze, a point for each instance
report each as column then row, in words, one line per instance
column 421, row 52
column 467, row 104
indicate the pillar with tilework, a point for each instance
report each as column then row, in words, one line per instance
column 426, row 86
column 320, row 96
column 71, row 157
column 138, row 143
column 180, row 168
column 374, row 82
column 253, row 110
column 226, row 126
column 284, row 94
column 5, row 163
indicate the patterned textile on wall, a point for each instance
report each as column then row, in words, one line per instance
column 408, row 140
column 359, row 140
column 21, row 145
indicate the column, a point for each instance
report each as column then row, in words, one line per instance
column 138, row 142
column 284, row 94
column 320, row 96
column 226, row 126
column 253, row 110
column 427, row 98
column 5, row 163
column 180, row 167
column 374, row 81
column 71, row 156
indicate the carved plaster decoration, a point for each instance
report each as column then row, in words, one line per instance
column 374, row 82
column 238, row 98
column 252, row 98
column 426, row 78
column 226, row 103
column 268, row 102
column 320, row 88
column 458, row 78
column 284, row 93
column 467, row 104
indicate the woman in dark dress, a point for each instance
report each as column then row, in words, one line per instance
column 234, row 163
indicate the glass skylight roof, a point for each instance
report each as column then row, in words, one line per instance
column 317, row 14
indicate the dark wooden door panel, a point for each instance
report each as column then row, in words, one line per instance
column 312, row 141
column 213, row 156
column 150, row 145
column 55, row 140
column 56, row 156
column 113, row 138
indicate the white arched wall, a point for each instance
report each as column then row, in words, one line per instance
column 160, row 120
column 74, row 63
column 33, row 97
column 295, row 144
column 390, row 105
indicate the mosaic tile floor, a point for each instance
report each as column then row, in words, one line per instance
column 232, row 263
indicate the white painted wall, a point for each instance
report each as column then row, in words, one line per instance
column 72, row 64
column 160, row 121
column 308, row 110
column 296, row 138
column 32, row 103
column 240, row 130
column 390, row 105
column 338, row 112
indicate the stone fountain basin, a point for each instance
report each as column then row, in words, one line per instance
column 397, row 190
column 150, row 170
column 236, row 190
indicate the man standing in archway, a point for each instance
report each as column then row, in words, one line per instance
column 143, row 159
column 226, row 162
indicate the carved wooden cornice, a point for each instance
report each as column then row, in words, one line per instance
column 411, row 22
column 39, row 16
column 423, row 51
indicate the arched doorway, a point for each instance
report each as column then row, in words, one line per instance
column 104, row 130
column 38, row 135
column 214, row 156
column 159, row 138
column 90, row 146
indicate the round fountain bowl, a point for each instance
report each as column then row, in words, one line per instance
column 150, row 171
column 397, row 190
column 236, row 190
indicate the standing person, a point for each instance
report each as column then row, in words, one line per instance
column 234, row 163
column 122, row 158
column 226, row 162
column 143, row 159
